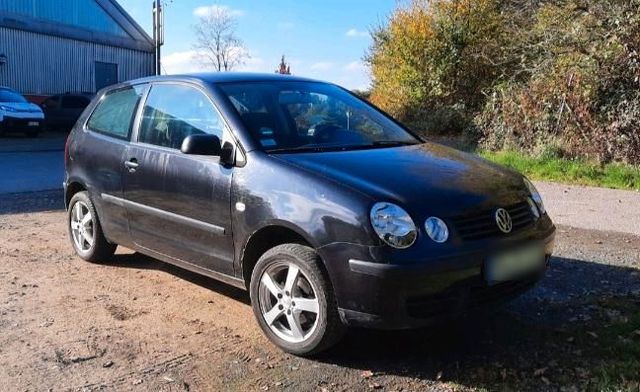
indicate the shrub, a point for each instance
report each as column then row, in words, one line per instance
column 516, row 74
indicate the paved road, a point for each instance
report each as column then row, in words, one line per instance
column 31, row 165
column 592, row 208
column 31, row 171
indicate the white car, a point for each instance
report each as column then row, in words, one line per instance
column 19, row 115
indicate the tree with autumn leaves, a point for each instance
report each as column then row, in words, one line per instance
column 515, row 73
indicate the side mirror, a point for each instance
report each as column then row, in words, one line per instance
column 201, row 145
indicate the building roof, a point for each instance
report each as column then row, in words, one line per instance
column 100, row 21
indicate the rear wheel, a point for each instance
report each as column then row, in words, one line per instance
column 293, row 300
column 85, row 231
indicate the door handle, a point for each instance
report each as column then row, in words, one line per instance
column 131, row 164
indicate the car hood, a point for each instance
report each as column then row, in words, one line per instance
column 428, row 178
column 22, row 107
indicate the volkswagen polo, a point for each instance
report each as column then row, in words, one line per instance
column 329, row 212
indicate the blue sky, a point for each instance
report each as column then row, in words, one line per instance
column 324, row 39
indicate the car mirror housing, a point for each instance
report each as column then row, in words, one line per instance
column 201, row 145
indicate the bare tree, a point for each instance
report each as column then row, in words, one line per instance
column 216, row 44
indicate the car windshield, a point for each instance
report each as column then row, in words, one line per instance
column 10, row 96
column 311, row 116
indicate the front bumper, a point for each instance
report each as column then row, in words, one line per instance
column 398, row 296
column 18, row 124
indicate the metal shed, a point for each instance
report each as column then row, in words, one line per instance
column 54, row 46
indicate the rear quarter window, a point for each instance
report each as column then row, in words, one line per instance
column 113, row 116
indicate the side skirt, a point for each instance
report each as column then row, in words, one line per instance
column 230, row 280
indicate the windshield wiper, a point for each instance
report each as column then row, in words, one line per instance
column 298, row 149
column 393, row 143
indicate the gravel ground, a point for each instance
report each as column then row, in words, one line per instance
column 138, row 324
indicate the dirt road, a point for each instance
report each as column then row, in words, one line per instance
column 138, row 324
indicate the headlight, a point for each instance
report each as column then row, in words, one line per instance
column 535, row 195
column 393, row 225
column 7, row 109
column 436, row 229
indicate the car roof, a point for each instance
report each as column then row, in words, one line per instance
column 219, row 77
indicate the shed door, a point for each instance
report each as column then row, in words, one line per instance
column 106, row 74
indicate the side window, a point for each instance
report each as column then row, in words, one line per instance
column 114, row 114
column 173, row 112
column 74, row 102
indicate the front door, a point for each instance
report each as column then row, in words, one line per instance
column 178, row 205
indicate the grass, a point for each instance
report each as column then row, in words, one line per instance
column 614, row 175
column 619, row 347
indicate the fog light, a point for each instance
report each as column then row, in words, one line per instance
column 436, row 229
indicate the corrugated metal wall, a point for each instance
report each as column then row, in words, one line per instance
column 85, row 14
column 42, row 64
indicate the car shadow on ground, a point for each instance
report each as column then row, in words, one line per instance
column 140, row 261
column 563, row 333
column 29, row 202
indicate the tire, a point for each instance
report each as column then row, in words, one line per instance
column 87, row 239
column 317, row 332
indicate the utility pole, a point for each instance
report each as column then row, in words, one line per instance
column 158, row 32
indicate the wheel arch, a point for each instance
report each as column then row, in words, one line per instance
column 73, row 187
column 265, row 238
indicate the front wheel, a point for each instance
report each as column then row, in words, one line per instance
column 85, row 231
column 293, row 300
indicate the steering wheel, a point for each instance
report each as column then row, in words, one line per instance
column 323, row 132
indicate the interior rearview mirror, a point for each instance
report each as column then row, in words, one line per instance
column 201, row 145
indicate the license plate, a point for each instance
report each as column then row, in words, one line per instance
column 514, row 264
column 33, row 124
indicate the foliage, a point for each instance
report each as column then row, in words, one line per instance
column 516, row 74
column 548, row 167
column 433, row 59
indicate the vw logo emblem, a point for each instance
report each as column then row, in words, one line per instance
column 503, row 219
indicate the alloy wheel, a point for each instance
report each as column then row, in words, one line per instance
column 82, row 226
column 288, row 302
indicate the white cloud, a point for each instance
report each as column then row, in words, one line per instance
column 351, row 75
column 217, row 8
column 355, row 66
column 181, row 62
column 355, row 33
column 254, row 64
column 190, row 61
column 321, row 66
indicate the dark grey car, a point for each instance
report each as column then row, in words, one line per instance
column 329, row 212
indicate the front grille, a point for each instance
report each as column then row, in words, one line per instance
column 482, row 224
column 460, row 299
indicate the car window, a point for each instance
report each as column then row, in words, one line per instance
column 7, row 95
column 74, row 102
column 173, row 112
column 114, row 114
column 303, row 116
